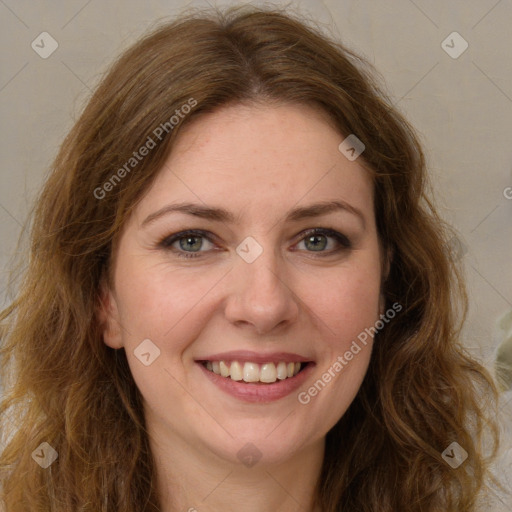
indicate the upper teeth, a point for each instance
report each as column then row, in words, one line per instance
column 254, row 372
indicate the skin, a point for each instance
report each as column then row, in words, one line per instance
column 259, row 162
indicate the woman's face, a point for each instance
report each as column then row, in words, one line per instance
column 252, row 291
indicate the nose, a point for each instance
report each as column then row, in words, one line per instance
column 262, row 296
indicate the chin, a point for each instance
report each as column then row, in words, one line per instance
column 271, row 442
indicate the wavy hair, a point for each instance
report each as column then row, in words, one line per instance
column 64, row 386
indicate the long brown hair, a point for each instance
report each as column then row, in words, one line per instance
column 65, row 387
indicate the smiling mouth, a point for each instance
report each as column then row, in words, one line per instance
column 249, row 372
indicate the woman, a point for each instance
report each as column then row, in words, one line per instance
column 238, row 295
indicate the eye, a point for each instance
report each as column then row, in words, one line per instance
column 189, row 243
column 317, row 240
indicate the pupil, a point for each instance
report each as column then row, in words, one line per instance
column 189, row 244
column 316, row 246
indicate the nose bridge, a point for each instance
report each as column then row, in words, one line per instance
column 260, row 295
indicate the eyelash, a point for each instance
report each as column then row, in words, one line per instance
column 167, row 242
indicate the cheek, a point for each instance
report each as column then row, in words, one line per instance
column 347, row 304
column 161, row 303
column 345, row 310
column 165, row 306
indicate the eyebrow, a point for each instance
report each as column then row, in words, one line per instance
column 222, row 215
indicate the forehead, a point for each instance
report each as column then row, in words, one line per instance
column 256, row 159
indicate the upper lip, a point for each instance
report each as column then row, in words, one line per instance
column 256, row 357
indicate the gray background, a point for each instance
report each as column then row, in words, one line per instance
column 461, row 107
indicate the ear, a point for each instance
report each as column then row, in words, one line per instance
column 386, row 266
column 382, row 304
column 108, row 317
column 388, row 258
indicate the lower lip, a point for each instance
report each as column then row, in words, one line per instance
column 253, row 392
